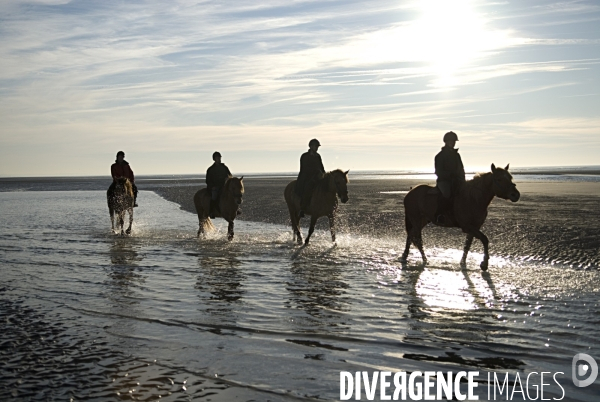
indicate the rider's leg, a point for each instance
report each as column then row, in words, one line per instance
column 306, row 196
column 135, row 194
column 444, row 202
column 214, row 196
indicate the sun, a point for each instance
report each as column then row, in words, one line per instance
column 450, row 35
column 445, row 37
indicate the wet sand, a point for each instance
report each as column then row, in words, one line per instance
column 555, row 222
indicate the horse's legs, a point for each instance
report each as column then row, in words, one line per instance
column 468, row 242
column 295, row 225
column 406, row 249
column 484, row 240
column 414, row 236
column 417, row 240
column 130, row 210
column 408, row 226
column 230, row 231
column 112, row 218
column 332, row 226
column 121, row 222
column 313, row 221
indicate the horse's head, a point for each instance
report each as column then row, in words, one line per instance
column 340, row 180
column 236, row 188
column 503, row 185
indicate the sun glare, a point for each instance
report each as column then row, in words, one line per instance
column 447, row 36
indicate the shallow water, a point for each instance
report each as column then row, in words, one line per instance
column 90, row 315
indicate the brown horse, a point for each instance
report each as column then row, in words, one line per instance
column 322, row 203
column 120, row 200
column 229, row 203
column 470, row 209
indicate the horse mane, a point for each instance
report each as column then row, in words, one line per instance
column 229, row 181
column 128, row 188
column 326, row 183
column 475, row 187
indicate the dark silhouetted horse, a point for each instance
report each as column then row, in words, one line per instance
column 322, row 203
column 469, row 209
column 229, row 203
column 120, row 200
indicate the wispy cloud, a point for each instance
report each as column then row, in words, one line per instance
column 172, row 76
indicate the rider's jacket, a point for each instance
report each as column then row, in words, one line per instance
column 121, row 170
column 449, row 166
column 311, row 168
column 217, row 175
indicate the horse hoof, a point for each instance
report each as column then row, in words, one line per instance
column 128, row 231
column 484, row 265
column 306, row 242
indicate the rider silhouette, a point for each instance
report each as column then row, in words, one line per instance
column 121, row 168
column 450, row 174
column 311, row 169
column 216, row 176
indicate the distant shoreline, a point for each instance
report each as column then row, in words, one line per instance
column 516, row 171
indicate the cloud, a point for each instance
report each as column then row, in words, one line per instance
column 88, row 74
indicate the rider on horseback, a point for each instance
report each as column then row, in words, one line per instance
column 450, row 174
column 311, row 169
column 121, row 168
column 216, row 176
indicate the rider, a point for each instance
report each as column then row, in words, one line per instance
column 121, row 168
column 450, row 174
column 311, row 169
column 216, row 176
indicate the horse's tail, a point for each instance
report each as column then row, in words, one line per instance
column 207, row 225
column 408, row 224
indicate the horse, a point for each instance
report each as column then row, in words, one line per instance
column 323, row 202
column 470, row 209
column 120, row 200
column 229, row 203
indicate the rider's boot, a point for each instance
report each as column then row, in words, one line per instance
column 213, row 207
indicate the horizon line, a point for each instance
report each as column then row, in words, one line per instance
column 517, row 170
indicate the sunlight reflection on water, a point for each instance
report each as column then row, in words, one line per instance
column 258, row 308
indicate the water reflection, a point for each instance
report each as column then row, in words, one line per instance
column 124, row 272
column 123, row 283
column 455, row 307
column 220, row 285
column 318, row 290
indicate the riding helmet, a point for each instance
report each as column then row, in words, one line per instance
column 314, row 141
column 450, row 136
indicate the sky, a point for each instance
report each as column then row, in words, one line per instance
column 378, row 82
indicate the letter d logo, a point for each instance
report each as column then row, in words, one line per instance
column 582, row 369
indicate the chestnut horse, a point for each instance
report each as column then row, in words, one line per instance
column 470, row 209
column 322, row 203
column 229, row 203
column 120, row 200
